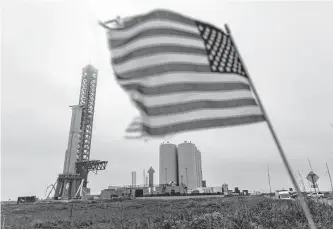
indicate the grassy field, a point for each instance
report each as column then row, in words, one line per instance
column 233, row 212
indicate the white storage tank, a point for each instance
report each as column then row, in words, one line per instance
column 199, row 168
column 168, row 163
column 189, row 165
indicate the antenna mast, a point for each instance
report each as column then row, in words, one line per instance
column 269, row 182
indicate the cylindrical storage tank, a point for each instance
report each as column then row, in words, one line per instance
column 199, row 168
column 189, row 164
column 168, row 163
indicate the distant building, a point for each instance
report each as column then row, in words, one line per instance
column 189, row 165
column 256, row 193
column 225, row 188
column 114, row 187
column 217, row 189
column 204, row 184
column 130, row 192
column 168, row 163
column 171, row 190
column 204, row 190
column 133, row 178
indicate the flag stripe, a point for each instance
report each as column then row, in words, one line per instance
column 156, row 41
column 145, row 51
column 116, row 43
column 165, row 120
column 135, row 125
column 152, row 24
column 187, row 87
column 185, row 77
column 195, row 105
column 203, row 124
column 164, row 68
column 158, row 14
column 134, row 135
column 134, row 129
column 184, row 97
column 151, row 61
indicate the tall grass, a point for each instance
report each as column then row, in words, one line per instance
column 233, row 213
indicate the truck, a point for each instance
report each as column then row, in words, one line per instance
column 319, row 195
column 284, row 195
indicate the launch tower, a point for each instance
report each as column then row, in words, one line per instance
column 77, row 159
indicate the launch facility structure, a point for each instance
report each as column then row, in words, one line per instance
column 77, row 163
column 181, row 165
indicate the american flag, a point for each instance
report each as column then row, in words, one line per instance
column 182, row 74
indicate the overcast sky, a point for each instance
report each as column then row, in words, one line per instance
column 287, row 48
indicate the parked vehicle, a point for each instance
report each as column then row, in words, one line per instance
column 284, row 195
column 316, row 195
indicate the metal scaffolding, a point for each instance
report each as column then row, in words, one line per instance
column 79, row 145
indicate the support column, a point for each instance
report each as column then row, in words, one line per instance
column 73, row 188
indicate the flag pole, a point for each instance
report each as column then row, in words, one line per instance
column 329, row 175
column 277, row 142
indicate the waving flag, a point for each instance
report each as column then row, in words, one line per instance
column 181, row 73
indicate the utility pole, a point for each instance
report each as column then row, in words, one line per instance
column 269, row 182
column 329, row 175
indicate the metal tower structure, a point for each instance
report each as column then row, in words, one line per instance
column 77, row 164
column 87, row 101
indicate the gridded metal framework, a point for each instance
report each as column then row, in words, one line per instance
column 94, row 165
column 83, row 165
column 87, row 101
